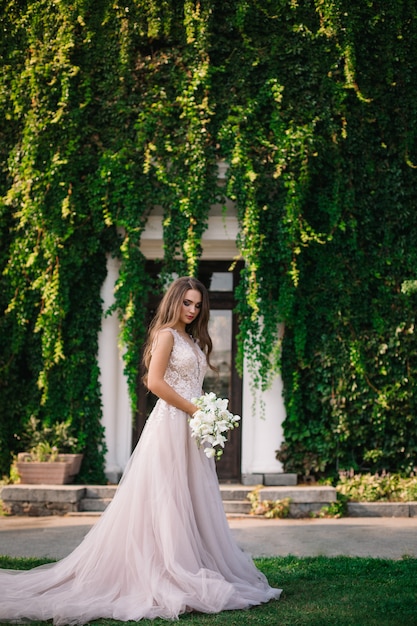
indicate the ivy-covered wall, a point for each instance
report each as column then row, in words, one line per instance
column 111, row 108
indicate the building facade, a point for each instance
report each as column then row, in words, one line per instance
column 249, row 456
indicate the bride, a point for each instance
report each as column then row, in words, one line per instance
column 163, row 546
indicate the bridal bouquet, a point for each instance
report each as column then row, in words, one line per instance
column 210, row 423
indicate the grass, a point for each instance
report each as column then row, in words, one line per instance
column 318, row 591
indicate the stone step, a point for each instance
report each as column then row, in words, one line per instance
column 100, row 491
column 235, row 507
column 300, row 495
column 94, row 505
column 234, row 492
column 97, row 498
column 40, row 500
column 382, row 509
column 280, row 479
column 303, row 500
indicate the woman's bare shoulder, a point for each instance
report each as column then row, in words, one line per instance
column 165, row 329
column 164, row 337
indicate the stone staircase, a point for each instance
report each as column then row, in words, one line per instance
column 304, row 500
column 97, row 498
column 41, row 500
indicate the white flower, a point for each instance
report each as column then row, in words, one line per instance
column 210, row 421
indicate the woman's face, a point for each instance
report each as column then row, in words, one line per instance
column 190, row 307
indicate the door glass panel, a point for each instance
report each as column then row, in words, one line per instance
column 221, row 281
column 220, row 329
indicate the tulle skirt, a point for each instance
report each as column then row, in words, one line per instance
column 163, row 546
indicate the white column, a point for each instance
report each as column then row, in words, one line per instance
column 117, row 418
column 261, row 428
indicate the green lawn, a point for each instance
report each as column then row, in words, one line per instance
column 318, row 591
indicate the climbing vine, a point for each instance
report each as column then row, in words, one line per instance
column 112, row 110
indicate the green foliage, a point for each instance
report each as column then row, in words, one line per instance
column 45, row 443
column 111, row 110
column 376, row 488
column 334, row 509
column 348, row 355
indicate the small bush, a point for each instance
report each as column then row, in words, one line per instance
column 268, row 508
column 334, row 509
column 384, row 487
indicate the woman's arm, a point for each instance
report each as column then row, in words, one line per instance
column 157, row 368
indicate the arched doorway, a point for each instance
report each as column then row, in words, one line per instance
column 221, row 284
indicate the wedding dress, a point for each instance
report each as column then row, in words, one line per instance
column 162, row 547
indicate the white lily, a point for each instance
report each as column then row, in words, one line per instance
column 209, row 422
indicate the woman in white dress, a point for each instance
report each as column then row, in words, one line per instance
column 163, row 546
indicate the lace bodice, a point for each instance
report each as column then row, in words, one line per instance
column 186, row 367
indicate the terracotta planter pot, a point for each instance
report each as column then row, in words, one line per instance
column 59, row 472
column 74, row 460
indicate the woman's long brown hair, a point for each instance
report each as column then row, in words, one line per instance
column 168, row 313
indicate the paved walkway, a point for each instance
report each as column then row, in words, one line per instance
column 391, row 538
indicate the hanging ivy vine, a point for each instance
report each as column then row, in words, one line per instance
column 112, row 109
